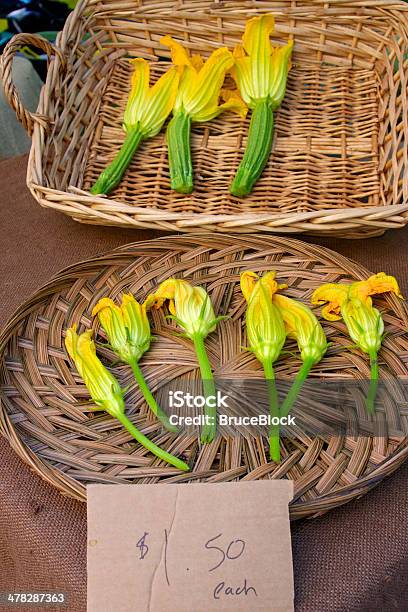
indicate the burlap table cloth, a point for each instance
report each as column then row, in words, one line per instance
column 353, row 558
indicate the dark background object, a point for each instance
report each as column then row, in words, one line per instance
column 46, row 17
column 29, row 16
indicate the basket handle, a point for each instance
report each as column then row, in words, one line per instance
column 26, row 118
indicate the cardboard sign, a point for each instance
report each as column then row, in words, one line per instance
column 190, row 547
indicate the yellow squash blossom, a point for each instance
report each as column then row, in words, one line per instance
column 128, row 330
column 146, row 111
column 264, row 323
column 148, row 107
column 192, row 310
column 190, row 306
column 101, row 384
column 105, row 390
column 302, row 325
column 334, row 294
column 260, row 72
column 364, row 323
column 197, row 100
column 376, row 284
column 266, row 335
column 126, row 326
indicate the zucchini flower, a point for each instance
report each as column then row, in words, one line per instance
column 302, row 325
column 264, row 324
column 266, row 336
column 192, row 310
column 146, row 111
column 260, row 72
column 127, row 327
column 100, row 382
column 106, row 391
column 364, row 323
column 128, row 330
column 197, row 100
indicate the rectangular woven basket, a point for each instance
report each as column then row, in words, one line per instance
column 340, row 158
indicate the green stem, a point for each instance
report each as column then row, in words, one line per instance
column 297, row 384
column 274, row 430
column 154, row 407
column 210, row 412
column 178, row 143
column 149, row 445
column 113, row 173
column 372, row 391
column 258, row 148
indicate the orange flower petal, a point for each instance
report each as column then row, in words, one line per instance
column 376, row 284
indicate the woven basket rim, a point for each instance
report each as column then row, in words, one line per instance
column 14, row 318
column 390, row 464
column 70, row 486
column 268, row 222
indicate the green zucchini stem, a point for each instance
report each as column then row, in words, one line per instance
column 274, row 430
column 210, row 412
column 372, row 391
column 178, row 143
column 259, row 145
column 297, row 384
column 151, row 446
column 112, row 175
column 154, row 407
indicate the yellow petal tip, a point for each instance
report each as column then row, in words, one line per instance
column 103, row 303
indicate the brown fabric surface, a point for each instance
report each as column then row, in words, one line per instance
column 352, row 559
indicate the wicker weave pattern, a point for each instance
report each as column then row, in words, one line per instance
column 46, row 416
column 340, row 158
column 320, row 151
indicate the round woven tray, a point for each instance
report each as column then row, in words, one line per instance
column 46, row 417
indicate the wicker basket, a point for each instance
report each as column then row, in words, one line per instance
column 48, row 421
column 339, row 164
